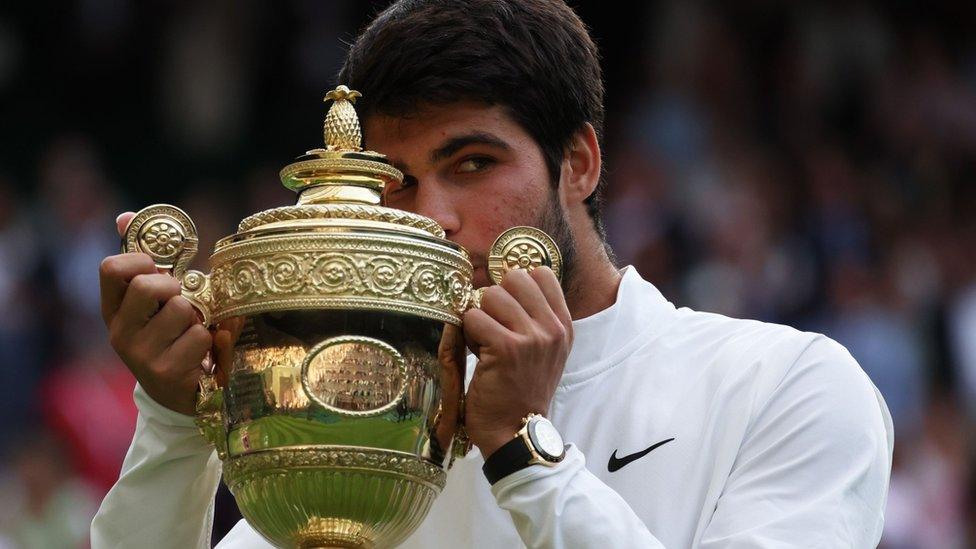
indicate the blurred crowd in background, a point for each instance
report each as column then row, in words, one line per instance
column 809, row 163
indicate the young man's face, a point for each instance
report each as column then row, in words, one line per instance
column 469, row 167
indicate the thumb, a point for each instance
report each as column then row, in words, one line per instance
column 122, row 221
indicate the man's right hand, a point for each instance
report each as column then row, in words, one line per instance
column 154, row 329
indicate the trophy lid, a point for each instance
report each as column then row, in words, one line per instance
column 338, row 247
column 340, row 181
column 341, row 171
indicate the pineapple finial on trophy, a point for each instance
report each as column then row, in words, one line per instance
column 341, row 129
column 342, row 171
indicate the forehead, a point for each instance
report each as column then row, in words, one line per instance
column 421, row 131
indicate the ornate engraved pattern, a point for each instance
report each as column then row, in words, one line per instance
column 284, row 271
column 162, row 237
column 237, row 469
column 359, row 272
column 523, row 248
column 164, row 232
column 523, row 256
column 385, row 275
column 476, row 296
column 428, row 284
column 197, row 290
column 333, row 273
column 245, row 278
column 354, row 376
column 459, row 290
column 342, row 211
column 341, row 129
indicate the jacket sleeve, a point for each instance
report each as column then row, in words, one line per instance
column 813, row 468
column 812, row 471
column 165, row 493
column 567, row 506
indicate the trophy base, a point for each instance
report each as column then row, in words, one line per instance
column 333, row 534
column 333, row 496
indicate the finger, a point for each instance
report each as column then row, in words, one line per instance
column 122, row 222
column 114, row 276
column 169, row 323
column 450, row 350
column 450, row 354
column 501, row 306
column 520, row 285
column 224, row 339
column 553, row 291
column 141, row 301
column 189, row 350
column 481, row 330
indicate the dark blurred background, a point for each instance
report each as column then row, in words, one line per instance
column 810, row 163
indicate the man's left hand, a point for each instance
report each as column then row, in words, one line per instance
column 522, row 335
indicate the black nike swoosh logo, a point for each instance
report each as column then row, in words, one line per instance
column 616, row 463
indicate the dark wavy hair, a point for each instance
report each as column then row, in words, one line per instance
column 533, row 57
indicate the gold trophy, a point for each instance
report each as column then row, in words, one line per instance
column 336, row 399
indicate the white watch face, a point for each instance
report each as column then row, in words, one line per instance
column 546, row 438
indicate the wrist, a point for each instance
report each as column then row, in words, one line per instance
column 490, row 444
column 490, row 440
column 151, row 408
column 536, row 443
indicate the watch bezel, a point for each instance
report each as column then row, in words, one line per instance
column 539, row 454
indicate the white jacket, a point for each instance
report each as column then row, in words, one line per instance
column 779, row 440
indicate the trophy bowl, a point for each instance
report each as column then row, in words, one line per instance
column 336, row 398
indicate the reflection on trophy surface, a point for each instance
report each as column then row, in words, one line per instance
column 336, row 397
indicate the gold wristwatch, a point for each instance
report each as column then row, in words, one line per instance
column 536, row 443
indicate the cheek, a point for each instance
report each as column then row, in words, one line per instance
column 494, row 208
column 481, row 221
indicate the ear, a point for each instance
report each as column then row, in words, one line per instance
column 581, row 167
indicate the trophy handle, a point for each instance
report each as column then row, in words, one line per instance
column 210, row 418
column 168, row 235
column 515, row 249
column 523, row 248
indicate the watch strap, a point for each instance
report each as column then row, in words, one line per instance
column 513, row 456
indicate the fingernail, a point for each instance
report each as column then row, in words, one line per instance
column 119, row 218
column 207, row 364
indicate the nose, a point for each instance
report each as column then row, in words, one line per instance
column 435, row 201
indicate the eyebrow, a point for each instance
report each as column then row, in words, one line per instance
column 457, row 143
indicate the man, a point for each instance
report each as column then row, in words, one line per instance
column 684, row 428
